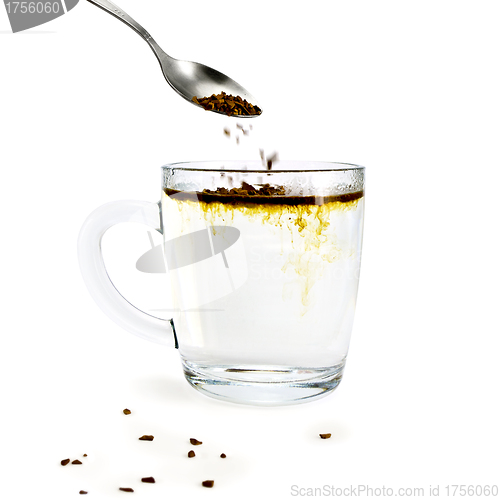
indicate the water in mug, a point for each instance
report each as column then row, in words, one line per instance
column 263, row 285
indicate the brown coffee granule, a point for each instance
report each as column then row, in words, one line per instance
column 227, row 104
column 66, row 461
column 146, row 438
column 325, row 436
column 127, row 411
column 84, row 454
column 270, row 159
column 248, row 190
column 267, row 195
column 148, row 479
column 195, row 442
column 76, row 462
column 82, row 492
column 208, row 484
column 191, row 454
column 129, row 490
column 223, row 455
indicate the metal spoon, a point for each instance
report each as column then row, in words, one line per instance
column 187, row 78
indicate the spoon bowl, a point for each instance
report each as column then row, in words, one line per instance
column 188, row 79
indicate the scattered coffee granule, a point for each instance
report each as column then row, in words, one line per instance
column 146, row 438
column 82, row 492
column 129, row 490
column 84, row 454
column 325, row 436
column 76, row 462
column 227, row 132
column 66, row 461
column 191, row 454
column 127, row 411
column 227, row 104
column 208, row 484
column 148, row 479
column 195, row 442
column 270, row 159
column 246, row 190
column 223, row 455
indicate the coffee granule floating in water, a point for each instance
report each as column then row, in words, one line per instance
column 129, row 490
column 325, row 436
column 195, row 442
column 246, row 190
column 76, row 462
column 208, row 484
column 227, row 104
column 146, row 438
column 191, row 454
column 148, row 480
column 127, row 411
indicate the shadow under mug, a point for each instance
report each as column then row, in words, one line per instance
column 264, row 269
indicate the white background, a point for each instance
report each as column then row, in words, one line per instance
column 408, row 89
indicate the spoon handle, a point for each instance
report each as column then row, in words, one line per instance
column 117, row 12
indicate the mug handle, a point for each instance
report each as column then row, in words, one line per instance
column 99, row 284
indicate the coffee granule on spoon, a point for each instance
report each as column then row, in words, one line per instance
column 227, row 104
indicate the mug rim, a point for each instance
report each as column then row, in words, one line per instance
column 183, row 165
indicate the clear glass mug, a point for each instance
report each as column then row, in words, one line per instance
column 264, row 267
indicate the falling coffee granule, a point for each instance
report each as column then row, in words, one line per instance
column 148, row 479
column 227, row 104
column 191, row 454
column 146, row 438
column 195, row 442
column 270, row 159
column 76, row 462
column 82, row 492
column 223, row 455
column 325, row 436
column 127, row 411
column 208, row 484
column 66, row 461
column 129, row 490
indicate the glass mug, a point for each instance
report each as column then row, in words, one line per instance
column 264, row 268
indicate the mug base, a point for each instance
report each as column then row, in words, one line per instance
column 263, row 386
